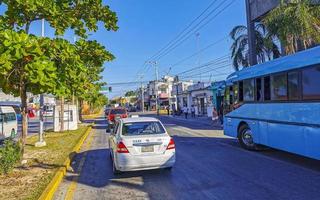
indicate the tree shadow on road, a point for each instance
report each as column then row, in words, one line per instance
column 207, row 168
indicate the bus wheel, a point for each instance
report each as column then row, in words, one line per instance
column 245, row 138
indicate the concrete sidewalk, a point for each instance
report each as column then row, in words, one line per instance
column 197, row 119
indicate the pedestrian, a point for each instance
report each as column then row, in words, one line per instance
column 174, row 110
column 168, row 110
column 193, row 111
column 185, row 111
column 220, row 114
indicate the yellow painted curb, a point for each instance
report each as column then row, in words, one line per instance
column 48, row 193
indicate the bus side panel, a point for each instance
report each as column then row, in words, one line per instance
column 263, row 133
column 312, row 136
column 230, row 126
column 289, row 138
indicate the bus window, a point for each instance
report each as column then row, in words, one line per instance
column 279, row 87
column 240, row 91
column 231, row 95
column 227, row 96
column 310, row 83
column 266, row 87
column 248, row 90
column 236, row 93
column 10, row 117
column 258, row 95
column 293, row 86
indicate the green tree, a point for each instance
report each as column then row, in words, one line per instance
column 93, row 56
column 69, row 71
column 25, row 67
column 296, row 24
column 266, row 47
column 26, row 64
column 130, row 94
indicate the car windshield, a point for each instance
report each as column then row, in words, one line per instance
column 142, row 128
column 118, row 111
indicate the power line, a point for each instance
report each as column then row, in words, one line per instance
column 145, row 67
column 177, row 41
column 209, row 66
column 200, row 51
column 186, row 36
column 177, row 37
column 210, row 70
column 126, row 83
column 206, row 64
column 208, row 76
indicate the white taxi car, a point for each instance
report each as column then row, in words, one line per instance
column 140, row 143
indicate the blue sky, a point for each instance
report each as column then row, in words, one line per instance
column 145, row 26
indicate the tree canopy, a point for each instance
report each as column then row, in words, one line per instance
column 266, row 47
column 43, row 65
column 130, row 93
column 296, row 24
column 81, row 16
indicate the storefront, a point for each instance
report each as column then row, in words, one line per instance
column 201, row 99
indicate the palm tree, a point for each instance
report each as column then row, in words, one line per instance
column 266, row 47
column 296, row 24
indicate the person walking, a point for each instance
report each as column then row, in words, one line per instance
column 220, row 114
column 174, row 110
column 193, row 111
column 185, row 111
column 168, row 110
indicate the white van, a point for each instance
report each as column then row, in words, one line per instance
column 8, row 122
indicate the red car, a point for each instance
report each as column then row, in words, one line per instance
column 115, row 113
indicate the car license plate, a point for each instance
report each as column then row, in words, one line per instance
column 147, row 149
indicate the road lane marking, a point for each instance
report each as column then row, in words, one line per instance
column 73, row 185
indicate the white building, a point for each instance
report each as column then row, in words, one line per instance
column 180, row 94
column 200, row 96
column 159, row 91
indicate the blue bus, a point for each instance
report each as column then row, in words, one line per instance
column 276, row 104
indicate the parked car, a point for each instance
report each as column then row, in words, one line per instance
column 141, row 143
column 115, row 113
column 8, row 122
column 106, row 112
column 132, row 109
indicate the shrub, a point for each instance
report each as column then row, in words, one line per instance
column 10, row 154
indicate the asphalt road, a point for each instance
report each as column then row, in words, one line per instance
column 209, row 166
column 34, row 125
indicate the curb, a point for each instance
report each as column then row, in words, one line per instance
column 51, row 188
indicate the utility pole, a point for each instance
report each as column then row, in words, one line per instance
column 251, row 36
column 73, row 98
column 41, row 141
column 142, row 94
column 198, row 49
column 154, row 64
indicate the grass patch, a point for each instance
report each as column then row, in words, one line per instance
column 93, row 116
column 28, row 182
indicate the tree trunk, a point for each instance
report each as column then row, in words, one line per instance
column 62, row 114
column 24, row 113
column 80, row 110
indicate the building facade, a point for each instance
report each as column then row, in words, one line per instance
column 159, row 92
column 200, row 96
column 180, row 94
